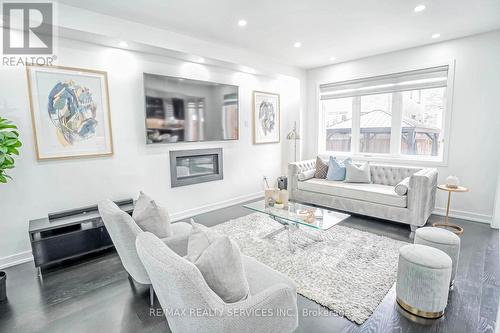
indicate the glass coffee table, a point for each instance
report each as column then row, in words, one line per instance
column 296, row 215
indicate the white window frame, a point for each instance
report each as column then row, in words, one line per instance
column 395, row 155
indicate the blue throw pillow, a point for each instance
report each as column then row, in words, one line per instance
column 336, row 169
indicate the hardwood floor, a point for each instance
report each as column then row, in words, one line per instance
column 95, row 294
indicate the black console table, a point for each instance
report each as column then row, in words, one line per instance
column 70, row 234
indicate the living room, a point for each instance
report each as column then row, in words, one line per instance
column 250, row 166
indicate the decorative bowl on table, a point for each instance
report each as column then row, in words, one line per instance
column 452, row 182
column 307, row 215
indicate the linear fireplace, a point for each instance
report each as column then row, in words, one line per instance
column 195, row 166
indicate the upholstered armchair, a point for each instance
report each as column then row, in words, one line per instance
column 191, row 306
column 123, row 231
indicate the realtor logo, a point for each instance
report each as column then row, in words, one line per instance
column 28, row 28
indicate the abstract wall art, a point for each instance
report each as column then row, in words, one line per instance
column 266, row 117
column 70, row 112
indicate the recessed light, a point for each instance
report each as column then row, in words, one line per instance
column 242, row 23
column 434, row 36
column 333, row 58
column 123, row 44
column 297, row 44
column 200, row 59
column 419, row 8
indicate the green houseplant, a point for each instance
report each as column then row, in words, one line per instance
column 9, row 144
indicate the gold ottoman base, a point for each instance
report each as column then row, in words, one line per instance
column 417, row 312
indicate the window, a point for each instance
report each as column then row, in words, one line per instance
column 391, row 116
column 338, row 113
column 422, row 122
column 375, row 124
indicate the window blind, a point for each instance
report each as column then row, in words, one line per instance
column 434, row 77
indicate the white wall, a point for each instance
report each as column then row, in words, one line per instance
column 496, row 211
column 475, row 118
column 42, row 187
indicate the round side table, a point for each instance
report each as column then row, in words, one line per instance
column 446, row 225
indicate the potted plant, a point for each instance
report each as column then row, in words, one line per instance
column 9, row 145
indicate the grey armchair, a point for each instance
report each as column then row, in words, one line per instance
column 123, row 231
column 191, row 306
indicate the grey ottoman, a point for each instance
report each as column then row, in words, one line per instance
column 423, row 280
column 442, row 239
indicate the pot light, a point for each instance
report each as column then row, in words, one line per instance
column 333, row 58
column 434, row 36
column 242, row 23
column 419, row 8
column 297, row 44
column 123, row 44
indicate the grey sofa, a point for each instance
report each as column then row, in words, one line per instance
column 377, row 199
column 191, row 306
column 123, row 231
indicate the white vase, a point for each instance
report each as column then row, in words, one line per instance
column 283, row 196
column 452, row 181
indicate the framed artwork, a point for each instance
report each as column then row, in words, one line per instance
column 266, row 117
column 70, row 112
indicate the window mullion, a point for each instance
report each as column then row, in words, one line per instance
column 356, row 114
column 322, row 128
column 397, row 116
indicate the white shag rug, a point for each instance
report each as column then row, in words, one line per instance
column 349, row 272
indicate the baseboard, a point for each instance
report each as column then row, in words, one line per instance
column 211, row 207
column 16, row 259
column 459, row 214
column 22, row 257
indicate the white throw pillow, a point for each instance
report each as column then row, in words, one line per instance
column 357, row 174
column 219, row 260
column 199, row 239
column 151, row 217
column 305, row 175
column 402, row 187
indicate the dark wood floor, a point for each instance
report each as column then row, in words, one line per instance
column 95, row 295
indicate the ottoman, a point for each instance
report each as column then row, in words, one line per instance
column 442, row 239
column 423, row 280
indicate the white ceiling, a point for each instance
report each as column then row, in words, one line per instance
column 345, row 29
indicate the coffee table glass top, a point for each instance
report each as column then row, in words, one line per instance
column 296, row 213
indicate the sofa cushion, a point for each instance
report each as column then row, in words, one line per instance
column 151, row 217
column 402, row 187
column 305, row 175
column 357, row 173
column 376, row 193
column 220, row 262
column 336, row 169
column 321, row 168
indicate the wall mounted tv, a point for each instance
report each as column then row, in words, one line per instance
column 184, row 110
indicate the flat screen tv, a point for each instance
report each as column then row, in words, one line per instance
column 184, row 110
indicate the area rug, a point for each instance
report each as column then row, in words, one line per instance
column 349, row 271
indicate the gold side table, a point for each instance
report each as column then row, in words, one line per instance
column 446, row 225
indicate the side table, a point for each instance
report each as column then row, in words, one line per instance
column 446, row 225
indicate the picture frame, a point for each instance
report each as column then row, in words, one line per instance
column 70, row 112
column 266, row 117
